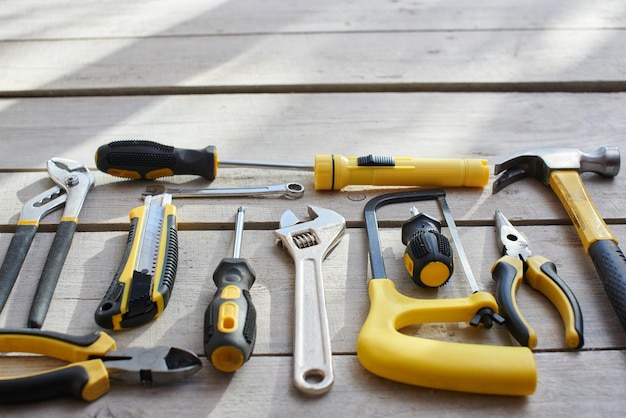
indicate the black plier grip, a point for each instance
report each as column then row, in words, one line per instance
column 518, row 264
column 86, row 376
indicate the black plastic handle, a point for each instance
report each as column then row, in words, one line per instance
column 14, row 259
column 147, row 160
column 508, row 275
column 611, row 266
column 230, row 318
column 51, row 271
column 68, row 381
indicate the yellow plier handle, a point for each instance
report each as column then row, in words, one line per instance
column 86, row 377
column 541, row 275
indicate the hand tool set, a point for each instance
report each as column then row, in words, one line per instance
column 144, row 280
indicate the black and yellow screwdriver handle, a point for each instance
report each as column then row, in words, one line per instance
column 148, row 160
column 541, row 275
column 84, row 378
column 136, row 296
column 230, row 319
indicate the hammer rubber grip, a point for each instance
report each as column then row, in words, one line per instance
column 611, row 266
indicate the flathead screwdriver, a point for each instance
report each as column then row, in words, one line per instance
column 230, row 319
column 148, row 160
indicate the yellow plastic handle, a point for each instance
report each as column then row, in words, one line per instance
column 334, row 172
column 569, row 188
column 473, row 368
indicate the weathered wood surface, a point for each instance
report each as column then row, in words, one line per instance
column 456, row 79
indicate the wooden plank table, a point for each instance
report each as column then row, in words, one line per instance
column 283, row 81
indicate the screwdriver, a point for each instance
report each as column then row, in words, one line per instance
column 230, row 319
column 428, row 254
column 147, row 160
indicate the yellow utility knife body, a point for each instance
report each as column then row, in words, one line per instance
column 517, row 263
column 144, row 281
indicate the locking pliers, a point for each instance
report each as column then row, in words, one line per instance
column 73, row 182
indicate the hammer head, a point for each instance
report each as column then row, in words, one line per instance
column 540, row 162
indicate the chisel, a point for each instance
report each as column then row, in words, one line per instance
column 138, row 159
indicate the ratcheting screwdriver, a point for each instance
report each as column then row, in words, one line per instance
column 230, row 318
column 144, row 281
column 137, row 159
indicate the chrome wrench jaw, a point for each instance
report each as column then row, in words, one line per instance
column 308, row 244
column 288, row 190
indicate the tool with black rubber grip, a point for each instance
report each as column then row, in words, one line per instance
column 144, row 281
column 76, row 181
column 230, row 318
column 387, row 352
column 32, row 213
column 517, row 263
column 93, row 360
column 428, row 254
column 148, row 160
column 561, row 168
column 137, row 159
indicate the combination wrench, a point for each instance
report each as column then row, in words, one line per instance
column 288, row 190
column 309, row 243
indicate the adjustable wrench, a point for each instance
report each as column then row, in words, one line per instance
column 309, row 243
column 289, row 190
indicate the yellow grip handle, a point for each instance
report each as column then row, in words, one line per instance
column 473, row 368
column 569, row 188
column 334, row 172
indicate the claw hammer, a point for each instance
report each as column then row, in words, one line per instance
column 560, row 169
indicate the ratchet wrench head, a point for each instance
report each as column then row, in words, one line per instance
column 73, row 177
column 322, row 232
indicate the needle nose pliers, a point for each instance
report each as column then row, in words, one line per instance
column 73, row 182
column 93, row 359
column 517, row 263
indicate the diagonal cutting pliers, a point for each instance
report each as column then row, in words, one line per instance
column 518, row 263
column 93, row 359
column 73, row 182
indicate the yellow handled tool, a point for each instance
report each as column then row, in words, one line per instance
column 92, row 360
column 388, row 353
column 144, row 281
column 517, row 263
column 150, row 160
column 230, row 318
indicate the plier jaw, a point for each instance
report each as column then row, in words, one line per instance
column 73, row 183
column 512, row 241
column 75, row 179
column 519, row 263
column 93, row 360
